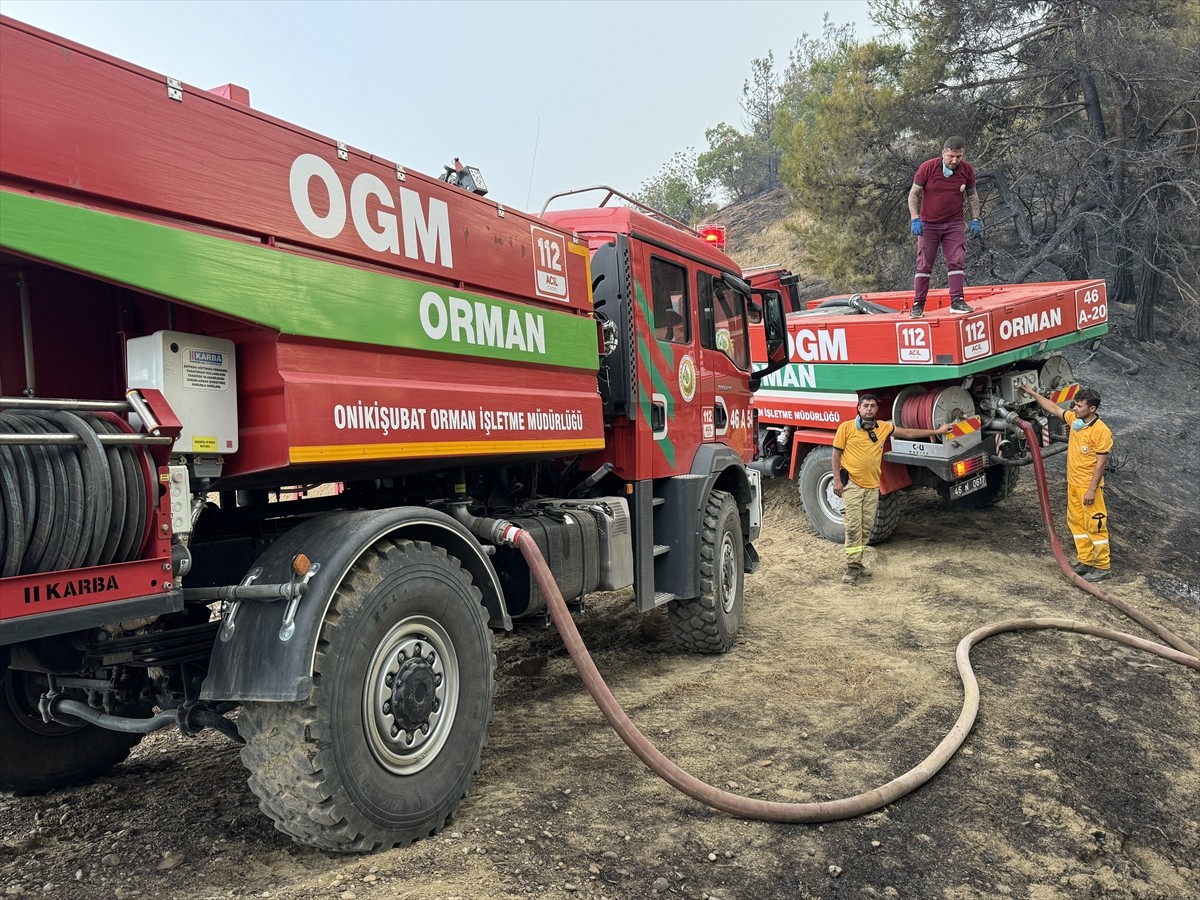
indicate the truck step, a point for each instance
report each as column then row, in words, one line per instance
column 659, row 501
column 661, row 597
column 660, row 549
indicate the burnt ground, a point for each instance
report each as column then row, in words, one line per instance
column 1081, row 778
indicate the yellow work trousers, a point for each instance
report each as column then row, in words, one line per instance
column 1089, row 527
column 859, row 517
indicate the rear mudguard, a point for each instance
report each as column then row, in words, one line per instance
column 265, row 651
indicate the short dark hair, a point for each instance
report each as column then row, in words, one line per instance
column 1090, row 396
column 954, row 142
column 867, row 396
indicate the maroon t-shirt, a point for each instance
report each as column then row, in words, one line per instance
column 943, row 197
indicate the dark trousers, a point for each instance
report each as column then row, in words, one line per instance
column 952, row 238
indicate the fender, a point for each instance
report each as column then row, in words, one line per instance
column 254, row 661
column 803, row 440
column 713, row 466
column 724, row 470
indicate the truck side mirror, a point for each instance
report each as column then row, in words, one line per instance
column 775, row 331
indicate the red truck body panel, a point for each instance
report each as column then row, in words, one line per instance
column 88, row 126
column 105, row 143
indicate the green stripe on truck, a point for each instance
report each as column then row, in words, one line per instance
column 290, row 293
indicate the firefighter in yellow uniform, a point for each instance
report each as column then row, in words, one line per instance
column 858, row 448
column 1088, row 446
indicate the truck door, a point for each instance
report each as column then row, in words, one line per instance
column 671, row 374
column 724, row 355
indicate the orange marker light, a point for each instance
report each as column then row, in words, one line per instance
column 713, row 234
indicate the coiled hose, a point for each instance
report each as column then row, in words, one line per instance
column 868, row 801
column 70, row 505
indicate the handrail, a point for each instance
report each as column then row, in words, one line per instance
column 613, row 192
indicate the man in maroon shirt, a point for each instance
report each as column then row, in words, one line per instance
column 935, row 203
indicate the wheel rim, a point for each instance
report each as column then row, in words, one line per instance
column 832, row 506
column 728, row 572
column 411, row 695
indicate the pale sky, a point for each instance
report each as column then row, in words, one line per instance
column 540, row 96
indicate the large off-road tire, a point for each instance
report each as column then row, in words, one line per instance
column 709, row 623
column 823, row 507
column 384, row 749
column 1001, row 481
column 887, row 517
column 36, row 757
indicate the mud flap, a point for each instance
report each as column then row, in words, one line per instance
column 265, row 651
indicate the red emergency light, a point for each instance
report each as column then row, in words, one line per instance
column 713, row 234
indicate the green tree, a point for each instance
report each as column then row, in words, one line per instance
column 678, row 191
column 844, row 137
column 739, row 164
column 743, row 164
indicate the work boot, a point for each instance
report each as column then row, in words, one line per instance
column 1093, row 575
column 959, row 305
column 918, row 310
column 851, row 575
column 1080, row 568
column 864, row 572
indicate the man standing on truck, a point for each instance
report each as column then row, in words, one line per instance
column 1088, row 445
column 858, row 448
column 935, row 203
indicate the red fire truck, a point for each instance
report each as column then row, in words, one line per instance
column 942, row 368
column 205, row 313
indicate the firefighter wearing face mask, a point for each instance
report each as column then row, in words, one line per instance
column 858, row 448
column 1088, row 447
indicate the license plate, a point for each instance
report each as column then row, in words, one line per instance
column 970, row 486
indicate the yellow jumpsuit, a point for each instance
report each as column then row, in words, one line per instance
column 1088, row 524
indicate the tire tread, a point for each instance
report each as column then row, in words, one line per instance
column 283, row 748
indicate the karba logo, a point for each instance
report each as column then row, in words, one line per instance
column 61, row 590
column 376, row 223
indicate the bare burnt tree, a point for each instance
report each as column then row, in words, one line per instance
column 1088, row 140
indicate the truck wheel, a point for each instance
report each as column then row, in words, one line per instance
column 821, row 505
column 37, row 757
column 1001, row 481
column 383, row 750
column 709, row 623
column 824, row 508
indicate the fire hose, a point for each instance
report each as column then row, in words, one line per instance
column 868, row 801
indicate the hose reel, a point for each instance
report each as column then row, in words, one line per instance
column 74, row 493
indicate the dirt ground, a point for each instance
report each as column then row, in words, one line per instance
column 1081, row 778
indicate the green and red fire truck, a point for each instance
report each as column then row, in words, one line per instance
column 205, row 312
column 941, row 368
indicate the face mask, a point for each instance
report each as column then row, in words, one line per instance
column 946, row 170
column 1079, row 424
column 868, row 425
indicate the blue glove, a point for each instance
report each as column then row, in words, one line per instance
column 975, row 227
column 916, row 226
